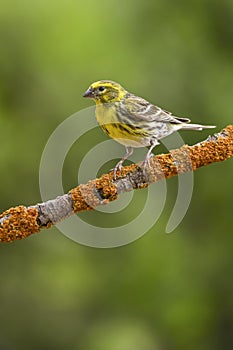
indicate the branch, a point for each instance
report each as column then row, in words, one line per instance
column 20, row 222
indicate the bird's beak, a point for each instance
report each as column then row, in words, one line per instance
column 89, row 93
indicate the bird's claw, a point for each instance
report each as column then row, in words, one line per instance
column 145, row 164
column 117, row 167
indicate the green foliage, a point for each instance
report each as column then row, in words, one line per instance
column 163, row 291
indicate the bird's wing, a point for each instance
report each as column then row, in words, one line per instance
column 141, row 109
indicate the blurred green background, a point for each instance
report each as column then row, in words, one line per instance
column 162, row 292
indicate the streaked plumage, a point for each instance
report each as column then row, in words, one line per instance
column 133, row 121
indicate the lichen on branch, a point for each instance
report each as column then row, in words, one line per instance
column 20, row 222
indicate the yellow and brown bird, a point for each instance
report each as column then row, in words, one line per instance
column 133, row 121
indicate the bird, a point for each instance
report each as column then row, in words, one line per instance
column 133, row 121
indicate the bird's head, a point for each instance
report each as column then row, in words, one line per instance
column 105, row 91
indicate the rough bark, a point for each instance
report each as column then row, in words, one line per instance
column 20, row 222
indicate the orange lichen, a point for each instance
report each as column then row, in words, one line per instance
column 212, row 150
column 106, row 188
column 95, row 192
column 20, row 222
column 81, row 197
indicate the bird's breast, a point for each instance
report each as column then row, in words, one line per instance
column 105, row 114
column 112, row 125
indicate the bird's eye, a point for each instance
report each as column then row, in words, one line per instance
column 101, row 88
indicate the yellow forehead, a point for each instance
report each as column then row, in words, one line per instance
column 105, row 83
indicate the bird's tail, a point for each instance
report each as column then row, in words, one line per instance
column 196, row 127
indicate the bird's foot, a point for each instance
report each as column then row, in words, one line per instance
column 117, row 167
column 129, row 151
column 145, row 164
